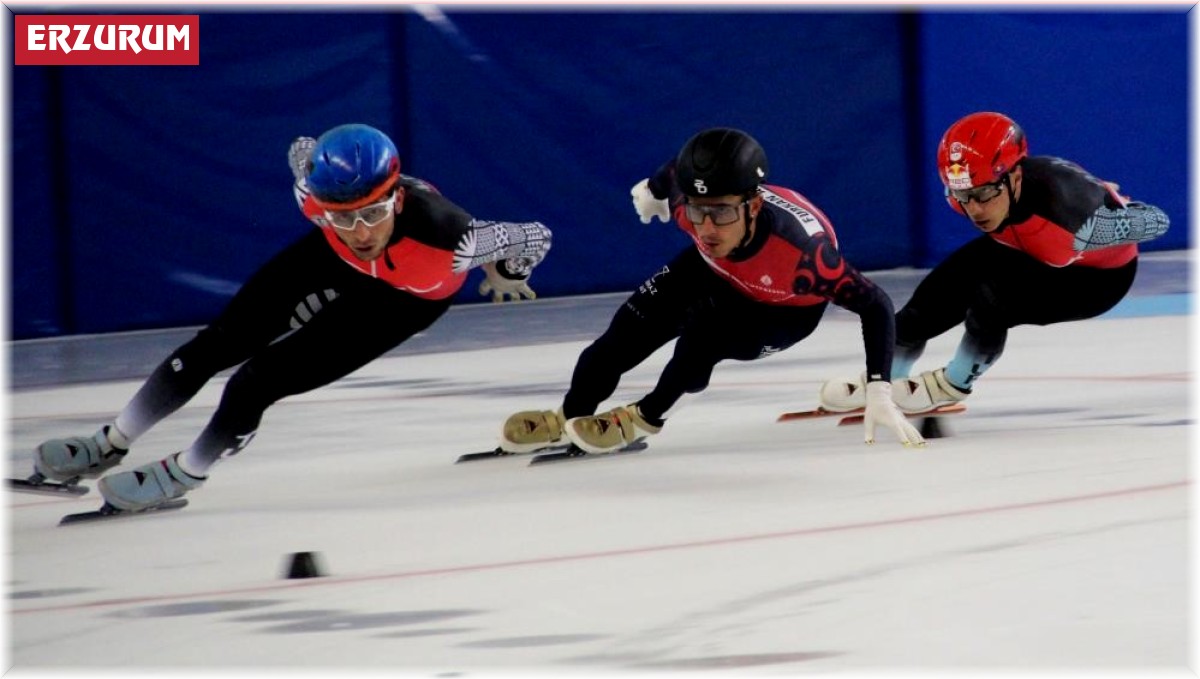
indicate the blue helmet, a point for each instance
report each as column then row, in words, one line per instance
column 351, row 166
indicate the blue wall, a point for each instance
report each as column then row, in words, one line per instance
column 142, row 197
column 1107, row 90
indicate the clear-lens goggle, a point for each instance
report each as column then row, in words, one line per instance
column 370, row 215
column 721, row 214
column 979, row 194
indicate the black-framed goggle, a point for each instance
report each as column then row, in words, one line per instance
column 720, row 214
column 979, row 194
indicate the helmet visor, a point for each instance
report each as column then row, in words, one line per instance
column 371, row 215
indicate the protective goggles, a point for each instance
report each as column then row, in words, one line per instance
column 720, row 214
column 979, row 194
column 370, row 215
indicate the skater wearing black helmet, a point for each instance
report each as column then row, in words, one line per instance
column 763, row 267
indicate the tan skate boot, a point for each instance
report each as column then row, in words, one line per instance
column 926, row 391
column 532, row 430
column 610, row 430
column 844, row 394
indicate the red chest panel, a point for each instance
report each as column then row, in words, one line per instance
column 408, row 265
column 1053, row 245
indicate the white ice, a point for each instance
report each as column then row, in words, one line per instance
column 1048, row 533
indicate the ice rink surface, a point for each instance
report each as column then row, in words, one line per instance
column 1049, row 533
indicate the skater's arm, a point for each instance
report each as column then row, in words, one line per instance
column 298, row 157
column 875, row 311
column 1091, row 209
column 824, row 272
column 507, row 252
column 653, row 196
column 1120, row 222
column 852, row 291
column 519, row 245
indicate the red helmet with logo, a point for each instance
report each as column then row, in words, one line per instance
column 979, row 149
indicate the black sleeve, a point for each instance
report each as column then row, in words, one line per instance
column 1059, row 191
column 662, row 182
column 823, row 271
column 431, row 218
column 875, row 310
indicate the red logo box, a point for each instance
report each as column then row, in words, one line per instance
column 106, row 40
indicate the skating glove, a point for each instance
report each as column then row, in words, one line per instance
column 501, row 284
column 882, row 410
column 299, row 154
column 648, row 207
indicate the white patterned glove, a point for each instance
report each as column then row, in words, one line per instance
column 299, row 153
column 648, row 207
column 500, row 286
column 881, row 409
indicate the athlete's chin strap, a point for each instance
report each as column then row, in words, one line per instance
column 749, row 232
column 1012, row 199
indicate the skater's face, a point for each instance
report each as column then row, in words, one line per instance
column 988, row 206
column 720, row 221
column 366, row 231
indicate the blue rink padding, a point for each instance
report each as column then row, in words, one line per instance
column 1152, row 305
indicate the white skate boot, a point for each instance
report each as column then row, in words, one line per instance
column 844, row 394
column 532, row 430
column 926, row 391
column 77, row 457
column 610, row 430
column 148, row 485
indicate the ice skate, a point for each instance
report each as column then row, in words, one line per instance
column 77, row 457
column 148, row 485
column 844, row 394
column 532, row 430
column 610, row 430
column 926, row 391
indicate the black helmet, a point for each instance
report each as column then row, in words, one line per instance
column 721, row 161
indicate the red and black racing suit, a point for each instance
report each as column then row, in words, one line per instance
column 315, row 313
column 1067, row 251
column 767, row 295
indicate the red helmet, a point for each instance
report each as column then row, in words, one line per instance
column 979, row 149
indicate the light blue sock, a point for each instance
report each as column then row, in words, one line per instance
column 970, row 361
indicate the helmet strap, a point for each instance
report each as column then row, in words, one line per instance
column 1007, row 180
column 749, row 230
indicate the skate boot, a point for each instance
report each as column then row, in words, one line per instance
column 532, row 430
column 77, row 457
column 610, row 430
column 844, row 394
column 926, row 391
column 148, row 485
